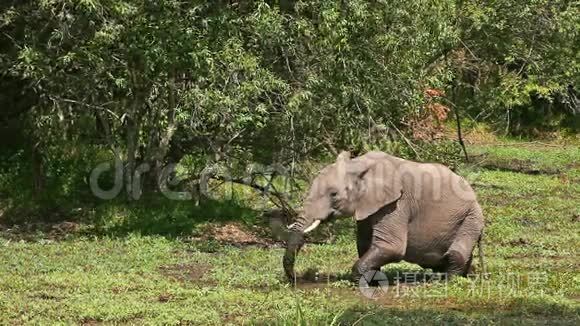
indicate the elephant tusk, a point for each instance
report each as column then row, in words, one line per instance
column 291, row 226
column 313, row 226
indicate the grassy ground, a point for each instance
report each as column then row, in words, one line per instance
column 530, row 194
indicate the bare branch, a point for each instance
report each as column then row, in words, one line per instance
column 95, row 107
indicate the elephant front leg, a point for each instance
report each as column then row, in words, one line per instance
column 374, row 258
column 388, row 242
column 364, row 235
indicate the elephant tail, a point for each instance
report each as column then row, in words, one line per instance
column 481, row 255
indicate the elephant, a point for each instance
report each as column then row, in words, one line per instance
column 422, row 213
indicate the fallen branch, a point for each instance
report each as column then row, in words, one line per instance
column 276, row 197
column 520, row 169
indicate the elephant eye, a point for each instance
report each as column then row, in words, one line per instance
column 333, row 194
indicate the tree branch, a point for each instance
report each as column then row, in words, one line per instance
column 95, row 107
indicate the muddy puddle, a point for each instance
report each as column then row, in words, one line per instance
column 391, row 291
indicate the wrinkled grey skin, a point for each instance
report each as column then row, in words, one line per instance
column 417, row 212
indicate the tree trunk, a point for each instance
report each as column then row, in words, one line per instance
column 455, row 107
column 133, row 126
column 132, row 132
column 160, row 140
column 38, row 173
column 164, row 141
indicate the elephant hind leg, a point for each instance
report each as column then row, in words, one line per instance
column 469, row 266
column 457, row 259
column 453, row 263
column 456, row 263
column 440, row 268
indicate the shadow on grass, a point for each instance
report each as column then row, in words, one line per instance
column 520, row 313
column 160, row 216
column 441, row 311
column 147, row 216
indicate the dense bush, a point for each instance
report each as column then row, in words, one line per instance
column 518, row 65
column 233, row 83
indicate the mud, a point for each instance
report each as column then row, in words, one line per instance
column 392, row 294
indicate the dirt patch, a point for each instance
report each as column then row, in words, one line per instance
column 519, row 242
column 46, row 296
column 37, row 231
column 240, row 235
column 499, row 199
column 529, row 222
column 190, row 272
column 165, row 297
column 235, row 318
column 237, row 234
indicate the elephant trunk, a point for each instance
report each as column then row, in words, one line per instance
column 295, row 243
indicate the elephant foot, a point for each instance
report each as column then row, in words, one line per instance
column 356, row 273
column 456, row 264
column 371, row 262
column 362, row 270
column 371, row 278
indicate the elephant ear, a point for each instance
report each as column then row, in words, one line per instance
column 342, row 163
column 344, row 156
column 380, row 185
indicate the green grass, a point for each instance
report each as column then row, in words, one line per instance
column 131, row 272
column 550, row 158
